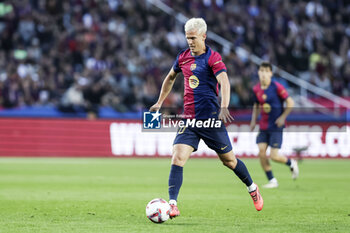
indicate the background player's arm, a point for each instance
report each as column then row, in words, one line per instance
column 165, row 90
column 289, row 106
column 255, row 115
column 225, row 97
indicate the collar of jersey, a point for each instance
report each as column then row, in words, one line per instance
column 206, row 51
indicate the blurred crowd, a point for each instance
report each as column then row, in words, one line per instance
column 84, row 54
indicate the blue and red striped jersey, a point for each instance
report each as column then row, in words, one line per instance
column 271, row 104
column 200, row 85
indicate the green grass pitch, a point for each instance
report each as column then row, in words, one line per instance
column 110, row 195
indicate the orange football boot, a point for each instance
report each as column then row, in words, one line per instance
column 257, row 199
column 174, row 211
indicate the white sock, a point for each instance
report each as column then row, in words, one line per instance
column 251, row 188
column 292, row 163
column 273, row 180
column 173, row 202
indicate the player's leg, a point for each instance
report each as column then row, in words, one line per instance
column 265, row 164
column 218, row 140
column 239, row 168
column 291, row 163
column 275, row 144
column 185, row 143
column 276, row 157
column 264, row 161
column 181, row 153
column 262, row 141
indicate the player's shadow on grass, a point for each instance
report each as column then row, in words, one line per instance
column 184, row 224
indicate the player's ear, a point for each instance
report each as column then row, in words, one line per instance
column 204, row 36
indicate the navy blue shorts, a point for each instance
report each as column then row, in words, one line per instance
column 272, row 138
column 216, row 139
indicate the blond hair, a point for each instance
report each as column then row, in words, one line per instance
column 196, row 24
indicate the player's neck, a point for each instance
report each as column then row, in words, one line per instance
column 200, row 52
column 265, row 85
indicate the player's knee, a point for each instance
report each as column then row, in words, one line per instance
column 262, row 154
column 227, row 163
column 180, row 155
column 177, row 160
column 230, row 163
column 274, row 156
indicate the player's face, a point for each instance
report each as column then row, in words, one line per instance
column 265, row 75
column 196, row 42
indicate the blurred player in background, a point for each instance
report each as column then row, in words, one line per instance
column 203, row 70
column 269, row 99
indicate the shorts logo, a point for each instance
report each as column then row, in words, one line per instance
column 223, row 148
column 266, row 108
column 151, row 120
column 193, row 66
column 193, row 81
column 181, row 130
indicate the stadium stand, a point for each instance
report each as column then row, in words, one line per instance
column 77, row 56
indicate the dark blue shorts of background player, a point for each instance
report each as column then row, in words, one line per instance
column 272, row 137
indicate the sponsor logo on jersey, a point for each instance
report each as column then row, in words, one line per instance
column 193, row 66
column 193, row 81
column 266, row 108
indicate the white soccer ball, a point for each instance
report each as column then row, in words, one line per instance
column 158, row 210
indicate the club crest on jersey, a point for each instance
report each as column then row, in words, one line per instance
column 193, row 81
column 264, row 96
column 193, row 66
column 266, row 108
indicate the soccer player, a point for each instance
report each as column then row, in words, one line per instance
column 269, row 99
column 203, row 71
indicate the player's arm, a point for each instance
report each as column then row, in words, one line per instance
column 225, row 97
column 165, row 90
column 289, row 106
column 255, row 114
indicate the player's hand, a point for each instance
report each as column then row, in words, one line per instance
column 155, row 107
column 225, row 115
column 280, row 121
column 252, row 125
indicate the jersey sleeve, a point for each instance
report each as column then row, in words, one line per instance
column 176, row 66
column 255, row 99
column 281, row 91
column 216, row 63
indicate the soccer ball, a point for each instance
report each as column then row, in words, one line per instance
column 158, row 210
